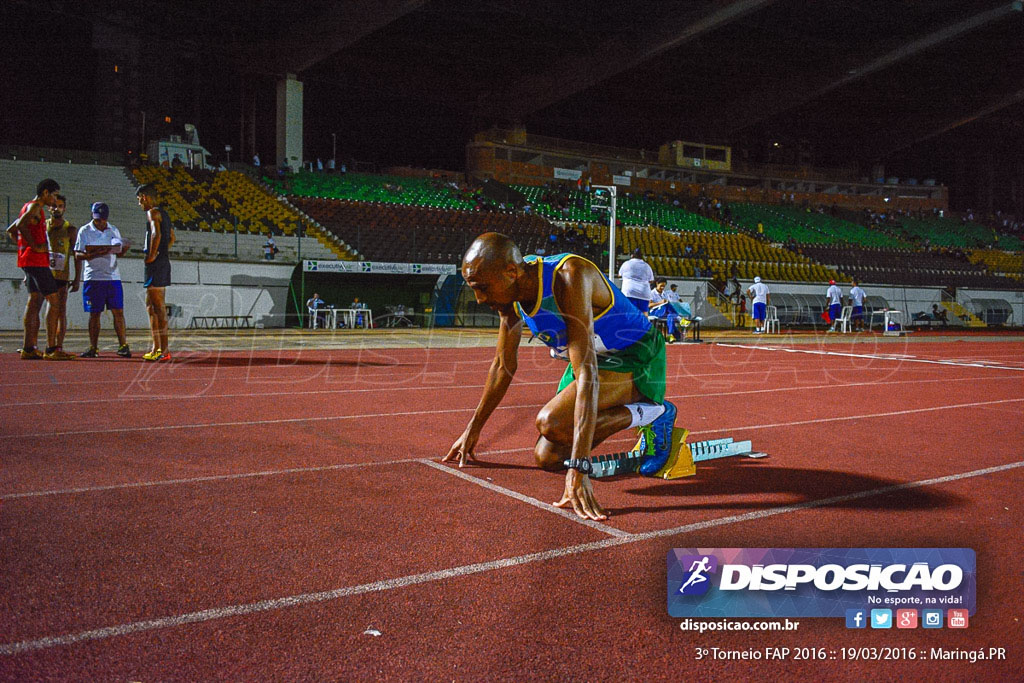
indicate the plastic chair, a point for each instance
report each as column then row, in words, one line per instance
column 771, row 320
column 843, row 321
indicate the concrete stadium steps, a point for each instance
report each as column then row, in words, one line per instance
column 82, row 184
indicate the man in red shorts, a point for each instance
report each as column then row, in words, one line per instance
column 34, row 258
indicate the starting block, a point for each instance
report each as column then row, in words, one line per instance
column 681, row 463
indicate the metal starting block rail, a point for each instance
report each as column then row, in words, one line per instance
column 682, row 462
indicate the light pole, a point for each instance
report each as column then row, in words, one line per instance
column 227, row 148
column 334, row 151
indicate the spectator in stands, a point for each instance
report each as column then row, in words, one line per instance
column 637, row 279
column 834, row 303
column 156, row 271
column 762, row 297
column 256, row 160
column 313, row 305
column 99, row 244
column 29, row 231
column 741, row 313
column 857, row 297
column 269, row 248
column 61, row 236
column 940, row 315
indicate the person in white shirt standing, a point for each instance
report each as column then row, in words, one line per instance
column 99, row 243
column 834, row 301
column 637, row 280
column 762, row 297
column 857, row 297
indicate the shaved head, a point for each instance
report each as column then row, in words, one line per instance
column 492, row 250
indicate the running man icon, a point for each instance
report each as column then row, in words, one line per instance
column 697, row 571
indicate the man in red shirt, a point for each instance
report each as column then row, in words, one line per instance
column 34, row 258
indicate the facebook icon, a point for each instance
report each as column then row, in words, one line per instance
column 856, row 618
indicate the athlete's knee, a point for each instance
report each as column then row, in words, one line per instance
column 547, row 455
column 553, row 426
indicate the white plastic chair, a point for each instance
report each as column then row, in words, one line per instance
column 771, row 320
column 843, row 321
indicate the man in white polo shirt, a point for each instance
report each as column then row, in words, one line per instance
column 834, row 301
column 761, row 296
column 857, row 296
column 637, row 280
column 99, row 244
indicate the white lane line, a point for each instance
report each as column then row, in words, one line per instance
column 546, row 507
column 435, row 387
column 221, row 374
column 898, row 358
column 200, row 480
column 464, row 570
column 288, row 420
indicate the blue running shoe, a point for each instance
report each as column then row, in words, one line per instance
column 662, row 428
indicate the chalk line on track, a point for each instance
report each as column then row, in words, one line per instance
column 464, row 570
column 321, row 392
column 546, row 507
column 899, row 358
column 408, row 413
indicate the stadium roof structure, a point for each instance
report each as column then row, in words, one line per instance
column 846, row 78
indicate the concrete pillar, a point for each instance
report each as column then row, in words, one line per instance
column 289, row 122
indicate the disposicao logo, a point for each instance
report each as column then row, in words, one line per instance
column 824, row 582
column 697, row 580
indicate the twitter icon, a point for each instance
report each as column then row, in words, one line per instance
column 881, row 618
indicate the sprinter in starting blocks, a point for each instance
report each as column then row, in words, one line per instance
column 682, row 461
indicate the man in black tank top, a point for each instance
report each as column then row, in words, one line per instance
column 159, row 238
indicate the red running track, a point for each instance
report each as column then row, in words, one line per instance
column 240, row 516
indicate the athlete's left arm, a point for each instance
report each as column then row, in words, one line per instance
column 574, row 289
column 154, row 235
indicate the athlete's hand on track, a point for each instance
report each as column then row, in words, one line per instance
column 462, row 449
column 580, row 492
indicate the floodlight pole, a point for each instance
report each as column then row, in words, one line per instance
column 611, row 229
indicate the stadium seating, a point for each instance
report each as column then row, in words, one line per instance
column 906, row 267
column 381, row 189
column 392, row 232
column 228, row 201
column 999, row 262
column 665, row 251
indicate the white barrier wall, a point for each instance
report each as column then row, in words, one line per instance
column 198, row 287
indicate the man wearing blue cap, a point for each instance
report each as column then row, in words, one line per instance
column 99, row 244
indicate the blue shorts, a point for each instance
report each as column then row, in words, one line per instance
column 100, row 294
column 760, row 311
column 643, row 304
column 834, row 311
column 858, row 313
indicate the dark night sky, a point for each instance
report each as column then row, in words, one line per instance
column 407, row 92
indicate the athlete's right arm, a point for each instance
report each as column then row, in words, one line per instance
column 21, row 226
column 499, row 377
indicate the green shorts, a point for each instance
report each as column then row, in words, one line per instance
column 645, row 359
